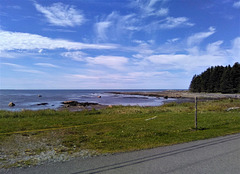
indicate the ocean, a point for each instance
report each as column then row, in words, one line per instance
column 30, row 99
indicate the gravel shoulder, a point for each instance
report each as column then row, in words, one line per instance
column 216, row 155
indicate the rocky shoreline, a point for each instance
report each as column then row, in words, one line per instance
column 182, row 94
column 79, row 106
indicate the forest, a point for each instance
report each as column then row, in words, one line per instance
column 217, row 79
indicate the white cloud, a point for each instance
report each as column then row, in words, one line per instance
column 162, row 12
column 76, row 55
column 114, row 62
column 194, row 59
column 236, row 4
column 26, row 41
column 60, row 14
column 171, row 22
column 235, row 51
column 150, row 7
column 171, row 41
column 198, row 37
column 13, row 65
column 116, row 25
column 81, row 76
column 29, row 71
column 47, row 65
column 21, row 68
column 101, row 28
column 214, row 48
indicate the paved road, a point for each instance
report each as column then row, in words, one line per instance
column 218, row 155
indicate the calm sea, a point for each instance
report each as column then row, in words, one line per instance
column 29, row 99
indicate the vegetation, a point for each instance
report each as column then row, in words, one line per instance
column 217, row 79
column 116, row 129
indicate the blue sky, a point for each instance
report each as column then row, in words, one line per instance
column 114, row 44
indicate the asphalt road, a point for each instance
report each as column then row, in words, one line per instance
column 217, row 155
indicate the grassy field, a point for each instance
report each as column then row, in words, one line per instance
column 110, row 130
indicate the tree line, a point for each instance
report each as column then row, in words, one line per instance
column 217, row 79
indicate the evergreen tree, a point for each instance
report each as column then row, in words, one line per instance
column 236, row 77
column 227, row 81
column 217, row 79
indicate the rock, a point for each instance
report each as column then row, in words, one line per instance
column 75, row 103
column 39, row 104
column 99, row 96
column 232, row 108
column 86, row 104
column 166, row 97
column 11, row 104
column 39, row 95
column 110, row 106
column 70, row 103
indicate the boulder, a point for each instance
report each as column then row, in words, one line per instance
column 99, row 96
column 39, row 95
column 166, row 97
column 11, row 104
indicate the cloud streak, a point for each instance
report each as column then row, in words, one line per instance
column 171, row 22
column 25, row 41
column 113, row 62
column 199, row 37
column 21, row 68
column 46, row 65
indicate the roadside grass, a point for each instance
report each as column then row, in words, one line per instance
column 120, row 128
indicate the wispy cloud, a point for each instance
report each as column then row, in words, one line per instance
column 26, row 41
column 29, row 71
column 196, row 60
column 13, row 65
column 47, row 65
column 114, row 62
column 150, row 7
column 21, row 68
column 236, row 4
column 101, row 28
column 235, row 50
column 198, row 37
column 115, row 25
column 60, row 14
column 171, row 22
column 75, row 55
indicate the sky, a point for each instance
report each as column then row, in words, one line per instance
column 114, row 44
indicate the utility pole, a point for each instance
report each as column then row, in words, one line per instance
column 196, row 113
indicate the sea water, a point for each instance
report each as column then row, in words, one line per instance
column 30, row 99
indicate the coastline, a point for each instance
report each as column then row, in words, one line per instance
column 182, row 94
column 50, row 136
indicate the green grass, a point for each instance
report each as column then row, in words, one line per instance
column 125, row 128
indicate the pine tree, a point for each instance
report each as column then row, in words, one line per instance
column 217, row 79
column 236, row 77
column 227, row 81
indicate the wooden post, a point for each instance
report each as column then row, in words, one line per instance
column 196, row 113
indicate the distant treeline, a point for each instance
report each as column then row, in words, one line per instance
column 217, row 79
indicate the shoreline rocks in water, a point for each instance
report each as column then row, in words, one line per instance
column 11, row 104
column 42, row 104
column 78, row 106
